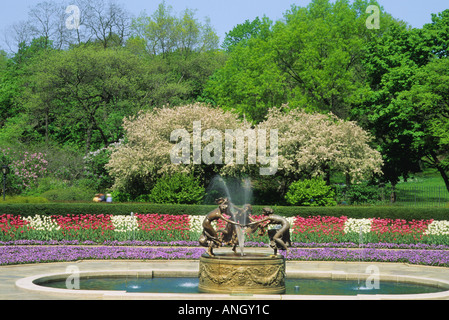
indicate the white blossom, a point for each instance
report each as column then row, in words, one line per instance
column 146, row 154
column 124, row 223
column 438, row 228
column 42, row 223
column 196, row 223
column 354, row 225
column 309, row 143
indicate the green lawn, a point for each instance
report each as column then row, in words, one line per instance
column 424, row 189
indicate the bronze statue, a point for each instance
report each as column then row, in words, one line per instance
column 229, row 233
column 209, row 237
column 279, row 238
column 228, row 236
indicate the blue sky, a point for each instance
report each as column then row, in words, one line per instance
column 225, row 14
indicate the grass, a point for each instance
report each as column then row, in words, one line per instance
column 426, row 178
column 424, row 189
column 23, row 199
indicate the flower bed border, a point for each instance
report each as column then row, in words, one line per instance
column 13, row 255
column 154, row 227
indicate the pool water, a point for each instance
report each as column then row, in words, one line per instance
column 293, row 286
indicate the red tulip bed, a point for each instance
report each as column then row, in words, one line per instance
column 164, row 236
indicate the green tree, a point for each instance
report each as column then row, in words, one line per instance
column 311, row 59
column 250, row 82
column 435, row 35
column 241, row 33
column 180, row 54
column 402, row 84
column 15, row 124
column 87, row 92
column 390, row 68
column 427, row 104
column 163, row 32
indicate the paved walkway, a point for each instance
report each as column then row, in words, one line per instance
column 335, row 270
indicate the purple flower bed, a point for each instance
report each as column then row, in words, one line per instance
column 147, row 243
column 423, row 257
column 379, row 245
column 37, row 254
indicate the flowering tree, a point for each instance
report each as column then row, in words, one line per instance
column 26, row 168
column 146, row 153
column 314, row 144
column 309, row 145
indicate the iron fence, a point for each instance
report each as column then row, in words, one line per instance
column 404, row 195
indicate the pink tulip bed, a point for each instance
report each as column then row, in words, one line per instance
column 158, row 236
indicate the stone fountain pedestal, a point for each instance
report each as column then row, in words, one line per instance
column 253, row 273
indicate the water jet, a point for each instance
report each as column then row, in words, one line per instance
column 256, row 273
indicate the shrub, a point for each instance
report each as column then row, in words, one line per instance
column 177, row 189
column 14, row 182
column 392, row 212
column 94, row 165
column 25, row 166
column 313, row 192
column 25, row 199
column 69, row 194
column 119, row 196
column 362, row 193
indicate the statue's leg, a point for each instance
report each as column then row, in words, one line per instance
column 273, row 246
column 278, row 238
column 203, row 240
column 210, row 251
column 212, row 238
column 281, row 244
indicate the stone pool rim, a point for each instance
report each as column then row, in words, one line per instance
column 31, row 284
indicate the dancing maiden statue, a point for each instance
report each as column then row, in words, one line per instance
column 252, row 272
column 209, row 237
column 280, row 236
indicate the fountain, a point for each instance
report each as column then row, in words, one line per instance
column 244, row 273
column 235, row 273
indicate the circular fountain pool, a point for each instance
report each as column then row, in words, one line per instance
column 293, row 286
column 166, row 284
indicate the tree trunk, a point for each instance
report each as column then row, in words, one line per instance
column 88, row 138
column 46, row 128
column 393, row 193
column 102, row 134
column 96, row 126
column 440, row 169
column 444, row 176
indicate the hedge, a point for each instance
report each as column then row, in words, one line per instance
column 390, row 212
